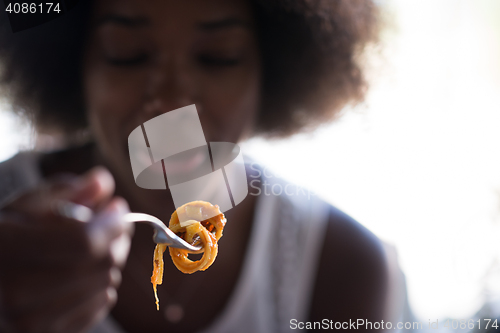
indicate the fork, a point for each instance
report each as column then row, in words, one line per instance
column 161, row 234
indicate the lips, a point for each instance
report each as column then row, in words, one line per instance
column 184, row 164
column 178, row 167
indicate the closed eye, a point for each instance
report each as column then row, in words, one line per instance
column 128, row 61
column 213, row 61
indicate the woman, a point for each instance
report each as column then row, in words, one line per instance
column 251, row 67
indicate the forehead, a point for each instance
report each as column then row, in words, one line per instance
column 174, row 12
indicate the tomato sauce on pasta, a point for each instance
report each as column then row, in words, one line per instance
column 199, row 223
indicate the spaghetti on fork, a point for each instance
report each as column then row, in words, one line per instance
column 198, row 223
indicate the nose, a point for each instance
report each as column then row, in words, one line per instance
column 169, row 87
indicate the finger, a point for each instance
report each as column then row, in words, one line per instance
column 108, row 232
column 77, row 289
column 85, row 309
column 44, row 307
column 55, row 313
column 25, row 289
column 22, row 244
column 66, row 241
column 93, row 189
column 87, row 314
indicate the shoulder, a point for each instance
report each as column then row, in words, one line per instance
column 352, row 275
column 18, row 174
column 73, row 160
column 27, row 169
column 352, row 278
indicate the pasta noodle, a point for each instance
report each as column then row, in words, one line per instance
column 157, row 277
column 198, row 223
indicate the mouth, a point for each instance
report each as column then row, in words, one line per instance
column 186, row 162
column 178, row 168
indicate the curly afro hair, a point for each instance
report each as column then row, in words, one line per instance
column 309, row 48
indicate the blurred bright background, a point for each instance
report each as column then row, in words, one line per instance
column 419, row 163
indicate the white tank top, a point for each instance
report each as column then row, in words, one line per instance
column 280, row 266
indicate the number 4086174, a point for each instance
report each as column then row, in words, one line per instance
column 33, row 8
column 471, row 323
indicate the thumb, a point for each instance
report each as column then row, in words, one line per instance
column 93, row 189
column 108, row 232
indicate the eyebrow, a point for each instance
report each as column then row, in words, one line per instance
column 223, row 23
column 127, row 21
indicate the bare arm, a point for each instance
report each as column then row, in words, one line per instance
column 352, row 279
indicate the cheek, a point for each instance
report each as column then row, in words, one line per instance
column 111, row 101
column 233, row 103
